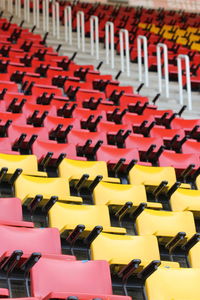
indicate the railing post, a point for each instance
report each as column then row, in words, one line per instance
column 80, row 30
column 10, row 6
column 57, row 20
column 159, row 68
column 19, row 8
column 180, row 79
column 36, row 13
column 109, row 40
column 68, row 24
column 47, row 15
column 53, row 19
column 44, row 14
column 124, row 39
column 3, row 4
column 28, row 10
column 94, row 35
column 25, row 10
column 143, row 39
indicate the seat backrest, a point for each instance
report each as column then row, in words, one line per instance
column 76, row 168
column 165, row 223
column 54, row 275
column 152, row 175
column 30, row 186
column 61, row 215
column 119, row 193
column 123, row 248
column 29, row 240
column 10, row 209
column 183, row 283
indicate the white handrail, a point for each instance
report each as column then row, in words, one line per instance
column 124, row 39
column 68, row 24
column 53, row 19
column 180, row 79
column 143, row 39
column 47, row 14
column 80, row 30
column 94, row 35
column 159, row 68
column 44, row 14
column 10, row 6
column 16, row 7
column 109, row 40
column 36, row 13
column 25, row 10
column 19, row 9
column 3, row 4
column 57, row 20
column 28, row 10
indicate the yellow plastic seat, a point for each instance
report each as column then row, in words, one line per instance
column 173, row 284
column 186, row 199
column 121, row 249
column 193, row 256
column 28, row 164
column 27, row 187
column 198, row 182
column 107, row 193
column 195, row 46
column 152, row 176
column 66, row 217
column 74, row 169
column 165, row 223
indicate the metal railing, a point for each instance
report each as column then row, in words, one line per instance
column 180, row 58
column 143, row 39
column 68, row 24
column 159, row 68
column 94, row 35
column 80, row 30
column 124, row 50
column 109, row 41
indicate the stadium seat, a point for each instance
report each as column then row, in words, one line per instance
column 70, row 168
column 165, row 223
column 188, row 279
column 185, row 199
column 29, row 240
column 11, row 213
column 120, row 250
column 119, row 194
column 66, row 217
column 28, row 164
column 33, row 191
column 54, row 278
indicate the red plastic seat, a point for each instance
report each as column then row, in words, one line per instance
column 42, row 148
column 29, row 240
column 9, row 85
column 191, row 146
column 16, row 131
column 52, row 122
column 186, row 125
column 143, row 143
column 112, row 154
column 79, row 137
column 178, row 160
column 166, row 134
column 38, row 90
column 55, row 277
column 11, row 213
column 111, row 88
